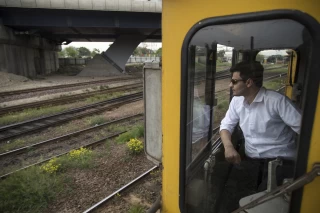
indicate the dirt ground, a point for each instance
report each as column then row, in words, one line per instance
column 114, row 168
column 9, row 82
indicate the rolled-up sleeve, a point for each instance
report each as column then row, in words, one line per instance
column 231, row 119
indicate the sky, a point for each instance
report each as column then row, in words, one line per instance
column 102, row 46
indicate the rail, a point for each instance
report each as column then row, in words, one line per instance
column 14, row 130
column 38, row 89
column 67, row 99
column 120, row 190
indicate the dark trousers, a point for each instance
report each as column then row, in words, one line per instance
column 282, row 172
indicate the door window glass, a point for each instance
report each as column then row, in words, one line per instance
column 213, row 184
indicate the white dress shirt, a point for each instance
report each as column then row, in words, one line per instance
column 268, row 124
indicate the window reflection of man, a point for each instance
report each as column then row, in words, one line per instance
column 200, row 123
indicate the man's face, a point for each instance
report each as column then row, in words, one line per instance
column 238, row 85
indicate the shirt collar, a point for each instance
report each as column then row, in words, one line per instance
column 259, row 97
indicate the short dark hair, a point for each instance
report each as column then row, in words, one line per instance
column 253, row 70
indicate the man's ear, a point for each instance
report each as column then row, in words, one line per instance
column 249, row 82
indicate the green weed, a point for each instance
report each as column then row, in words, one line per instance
column 223, row 105
column 102, row 87
column 135, row 132
column 136, row 208
column 12, row 145
column 29, row 190
column 274, row 84
column 81, row 158
column 282, row 70
column 135, row 146
column 102, row 97
column 96, row 120
column 30, row 113
column 117, row 128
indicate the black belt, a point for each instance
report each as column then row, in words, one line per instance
column 266, row 160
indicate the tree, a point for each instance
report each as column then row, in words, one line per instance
column 71, row 52
column 95, row 51
column 275, row 58
column 144, row 51
column 62, row 54
column 159, row 52
column 84, row 52
column 221, row 53
column 260, row 58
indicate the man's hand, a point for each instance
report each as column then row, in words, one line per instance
column 232, row 155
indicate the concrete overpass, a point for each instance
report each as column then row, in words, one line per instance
column 31, row 31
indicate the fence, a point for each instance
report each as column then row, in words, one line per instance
column 84, row 61
column 142, row 59
column 73, row 61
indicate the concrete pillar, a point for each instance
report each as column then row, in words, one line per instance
column 26, row 55
column 120, row 51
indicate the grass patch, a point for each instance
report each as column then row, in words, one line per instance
column 67, row 128
column 136, row 208
column 102, row 87
column 30, row 113
column 273, row 65
column 223, row 105
column 12, row 145
column 30, row 190
column 103, row 97
column 274, row 84
column 95, row 120
column 283, row 70
column 223, row 64
column 200, row 66
column 107, row 146
column 81, row 158
column 221, row 108
column 136, row 132
column 219, row 67
column 105, row 151
column 117, row 128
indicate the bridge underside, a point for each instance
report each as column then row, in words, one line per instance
column 80, row 25
column 125, row 29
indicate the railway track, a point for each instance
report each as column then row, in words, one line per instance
column 68, row 99
column 121, row 190
column 15, row 130
column 32, row 90
column 264, row 80
column 56, row 147
column 48, row 159
column 226, row 74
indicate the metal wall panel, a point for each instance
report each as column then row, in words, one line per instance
column 28, row 3
column 154, row 6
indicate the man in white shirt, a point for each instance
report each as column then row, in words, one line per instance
column 268, row 119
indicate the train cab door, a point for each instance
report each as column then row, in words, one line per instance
column 201, row 100
column 208, row 97
column 207, row 182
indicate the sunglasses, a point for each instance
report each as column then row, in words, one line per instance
column 235, row 81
